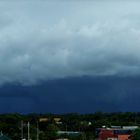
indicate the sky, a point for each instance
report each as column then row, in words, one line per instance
column 64, row 56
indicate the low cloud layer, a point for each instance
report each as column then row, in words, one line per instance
column 44, row 40
column 82, row 95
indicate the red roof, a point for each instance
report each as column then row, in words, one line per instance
column 106, row 133
column 123, row 137
column 109, row 133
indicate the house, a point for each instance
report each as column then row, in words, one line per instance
column 107, row 134
column 43, row 119
column 57, row 120
column 62, row 139
column 123, row 137
column 68, row 133
column 114, row 134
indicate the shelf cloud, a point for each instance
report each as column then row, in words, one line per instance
column 41, row 40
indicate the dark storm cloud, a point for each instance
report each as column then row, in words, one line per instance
column 83, row 95
column 44, row 40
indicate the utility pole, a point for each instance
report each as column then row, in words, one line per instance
column 22, row 130
column 28, row 130
column 37, row 132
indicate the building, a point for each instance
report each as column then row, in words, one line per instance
column 123, row 137
column 57, row 120
column 68, row 132
column 43, row 119
column 114, row 134
column 62, row 139
column 107, row 134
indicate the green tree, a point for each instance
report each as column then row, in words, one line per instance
column 136, row 135
column 51, row 132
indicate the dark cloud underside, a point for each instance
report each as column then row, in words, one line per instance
column 83, row 95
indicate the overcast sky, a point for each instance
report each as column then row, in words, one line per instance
column 43, row 40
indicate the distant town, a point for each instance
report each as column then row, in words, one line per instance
column 73, row 126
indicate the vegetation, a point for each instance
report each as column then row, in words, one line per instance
column 136, row 135
column 86, row 124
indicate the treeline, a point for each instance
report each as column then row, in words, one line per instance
column 10, row 124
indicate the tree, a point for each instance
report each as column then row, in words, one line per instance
column 136, row 134
column 51, row 132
